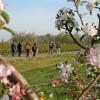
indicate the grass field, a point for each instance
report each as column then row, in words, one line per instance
column 40, row 70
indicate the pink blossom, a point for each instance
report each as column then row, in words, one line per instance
column 94, row 57
column 16, row 89
column 78, row 80
column 90, row 5
column 10, row 69
column 3, row 71
column 15, row 98
column 58, row 24
column 65, row 81
column 64, row 14
column 22, row 92
column 4, row 81
column 2, row 5
column 55, row 82
column 65, row 10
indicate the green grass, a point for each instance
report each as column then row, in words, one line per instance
column 38, row 70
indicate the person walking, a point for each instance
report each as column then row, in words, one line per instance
column 58, row 47
column 19, row 48
column 13, row 48
column 28, row 46
column 34, row 49
column 51, row 45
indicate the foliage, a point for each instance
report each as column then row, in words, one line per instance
column 66, row 20
column 31, row 68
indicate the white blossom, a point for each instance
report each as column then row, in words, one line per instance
column 90, row 30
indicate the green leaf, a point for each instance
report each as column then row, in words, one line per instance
column 69, row 0
column 97, row 3
column 5, row 16
column 82, row 37
column 77, row 29
column 2, row 23
column 9, row 30
column 96, row 41
column 83, row 2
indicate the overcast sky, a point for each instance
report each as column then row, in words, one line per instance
column 33, row 16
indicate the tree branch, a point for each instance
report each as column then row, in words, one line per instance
column 99, row 24
column 89, row 86
column 71, row 35
column 78, row 13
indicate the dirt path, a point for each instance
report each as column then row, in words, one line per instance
column 9, row 57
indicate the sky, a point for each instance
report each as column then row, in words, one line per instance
column 33, row 16
column 29, row 16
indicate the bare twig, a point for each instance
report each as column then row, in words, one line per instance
column 77, row 10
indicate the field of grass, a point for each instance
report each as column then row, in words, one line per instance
column 42, row 70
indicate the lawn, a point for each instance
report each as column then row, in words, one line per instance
column 40, row 71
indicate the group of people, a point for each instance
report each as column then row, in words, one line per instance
column 51, row 47
column 33, row 48
column 28, row 47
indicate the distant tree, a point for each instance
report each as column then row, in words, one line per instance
column 24, row 37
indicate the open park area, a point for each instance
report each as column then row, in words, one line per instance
column 48, row 52
column 40, row 72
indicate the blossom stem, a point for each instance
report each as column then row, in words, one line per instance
column 99, row 24
column 71, row 35
column 77, row 10
column 89, row 86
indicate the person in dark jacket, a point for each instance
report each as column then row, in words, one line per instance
column 34, row 49
column 19, row 48
column 13, row 48
column 58, row 47
column 51, row 45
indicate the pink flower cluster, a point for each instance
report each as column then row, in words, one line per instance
column 78, row 80
column 16, row 92
column 63, row 17
column 55, row 82
column 94, row 57
column 4, row 72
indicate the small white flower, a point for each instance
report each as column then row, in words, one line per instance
column 51, row 95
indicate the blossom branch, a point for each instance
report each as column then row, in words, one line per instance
column 89, row 86
column 18, row 78
column 69, row 31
